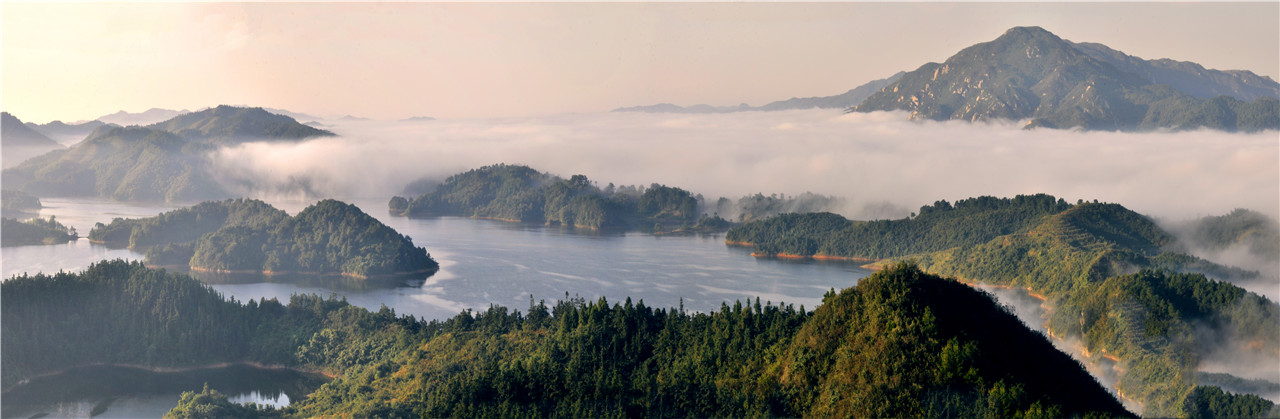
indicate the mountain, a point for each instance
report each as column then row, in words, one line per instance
column 228, row 125
column 1188, row 77
column 520, row 193
column 841, row 101
column 417, row 119
column 167, row 161
column 19, row 142
column 64, row 133
column 1031, row 74
column 122, row 163
column 1115, row 279
column 150, row 116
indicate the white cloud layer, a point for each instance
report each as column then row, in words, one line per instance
column 865, row 158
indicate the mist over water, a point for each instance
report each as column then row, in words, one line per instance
column 865, row 158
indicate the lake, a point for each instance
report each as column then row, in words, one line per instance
column 485, row 262
column 122, row 392
column 482, row 262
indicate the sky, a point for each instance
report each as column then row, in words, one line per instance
column 78, row 61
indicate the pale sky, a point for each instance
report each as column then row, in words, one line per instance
column 396, row 60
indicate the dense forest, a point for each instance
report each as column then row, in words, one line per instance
column 520, row 193
column 35, row 231
column 1086, row 259
column 900, row 343
column 250, row 235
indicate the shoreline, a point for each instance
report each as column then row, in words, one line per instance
column 170, row 370
column 346, row 274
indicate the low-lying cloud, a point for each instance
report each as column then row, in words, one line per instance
column 864, row 158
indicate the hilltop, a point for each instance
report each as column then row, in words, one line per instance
column 167, row 161
column 329, row 237
column 1115, row 279
column 1031, row 74
column 19, row 142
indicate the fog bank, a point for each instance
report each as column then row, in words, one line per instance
column 864, row 158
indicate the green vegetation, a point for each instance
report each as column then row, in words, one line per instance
column 1251, row 229
column 758, row 206
column 152, row 163
column 519, row 193
column 900, row 343
column 1082, row 258
column 1212, row 402
column 12, row 202
column 226, row 125
column 1031, row 74
column 212, row 404
column 250, row 235
column 35, row 231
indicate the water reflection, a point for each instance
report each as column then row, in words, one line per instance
column 125, row 392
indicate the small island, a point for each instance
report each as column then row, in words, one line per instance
column 35, row 231
column 250, row 236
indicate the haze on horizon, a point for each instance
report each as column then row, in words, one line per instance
column 78, row 61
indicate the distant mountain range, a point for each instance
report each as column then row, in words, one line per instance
column 64, row 133
column 1031, row 74
column 166, row 161
column 841, row 101
column 19, row 142
column 150, row 116
column 227, row 125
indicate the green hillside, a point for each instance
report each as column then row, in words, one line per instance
column 164, row 162
column 246, row 235
column 900, row 343
column 1084, row 259
column 519, row 193
column 227, row 125
column 35, row 231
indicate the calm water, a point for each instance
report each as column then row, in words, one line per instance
column 122, row 392
column 482, row 263
column 492, row 262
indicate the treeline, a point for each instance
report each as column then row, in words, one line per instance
column 250, row 235
column 520, row 193
column 12, row 202
column 35, row 231
column 900, row 343
column 1253, row 230
column 937, row 227
column 1077, row 256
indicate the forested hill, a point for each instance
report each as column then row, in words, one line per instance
column 19, row 142
column 901, row 343
column 1085, row 259
column 519, row 193
column 245, row 235
column 1031, row 74
column 231, row 125
column 121, row 163
column 168, row 161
